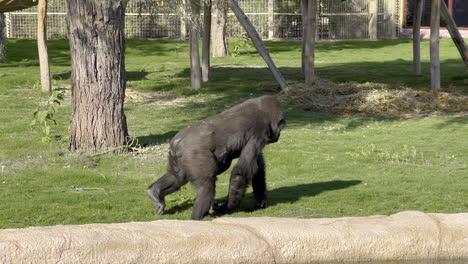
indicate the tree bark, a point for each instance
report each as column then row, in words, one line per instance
column 218, row 28
column 454, row 33
column 258, row 43
column 42, row 46
column 434, row 48
column 206, row 40
column 195, row 68
column 309, row 46
column 2, row 36
column 418, row 12
column 96, row 35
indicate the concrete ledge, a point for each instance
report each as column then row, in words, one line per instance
column 402, row 236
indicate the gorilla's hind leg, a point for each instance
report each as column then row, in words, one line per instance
column 204, row 199
column 165, row 185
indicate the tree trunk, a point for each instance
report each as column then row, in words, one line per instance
column 183, row 19
column 418, row 12
column 454, row 33
column 218, row 28
column 42, row 46
column 305, row 4
column 96, row 35
column 195, row 68
column 2, row 36
column 206, row 40
column 434, row 49
column 258, row 43
column 309, row 46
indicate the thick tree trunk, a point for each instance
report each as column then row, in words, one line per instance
column 195, row 68
column 309, row 46
column 434, row 49
column 418, row 12
column 42, row 46
column 2, row 36
column 219, row 47
column 206, row 40
column 96, row 35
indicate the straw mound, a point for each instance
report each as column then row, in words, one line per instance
column 374, row 99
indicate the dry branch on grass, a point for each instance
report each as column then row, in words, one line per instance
column 374, row 99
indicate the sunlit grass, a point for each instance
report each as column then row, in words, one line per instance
column 323, row 165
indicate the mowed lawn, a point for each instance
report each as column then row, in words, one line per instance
column 323, row 166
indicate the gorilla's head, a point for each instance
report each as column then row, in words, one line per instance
column 271, row 106
column 275, row 129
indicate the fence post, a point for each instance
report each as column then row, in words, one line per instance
column 271, row 19
column 373, row 9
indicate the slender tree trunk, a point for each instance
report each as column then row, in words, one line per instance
column 42, row 46
column 434, row 49
column 305, row 4
column 454, row 32
column 96, row 35
column 309, row 46
column 258, row 43
column 418, row 12
column 218, row 28
column 2, row 36
column 373, row 11
column 195, row 68
column 183, row 19
column 206, row 40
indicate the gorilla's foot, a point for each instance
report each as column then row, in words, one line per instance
column 159, row 204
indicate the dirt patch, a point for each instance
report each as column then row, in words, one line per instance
column 374, row 99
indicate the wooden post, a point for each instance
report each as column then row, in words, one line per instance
column 206, row 40
column 418, row 11
column 257, row 41
column 42, row 46
column 309, row 53
column 454, row 33
column 373, row 10
column 434, row 50
column 271, row 19
column 195, row 69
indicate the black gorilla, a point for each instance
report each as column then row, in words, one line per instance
column 205, row 149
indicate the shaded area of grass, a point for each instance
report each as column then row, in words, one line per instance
column 323, row 166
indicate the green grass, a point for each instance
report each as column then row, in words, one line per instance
column 323, row 165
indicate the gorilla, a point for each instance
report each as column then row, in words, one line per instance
column 203, row 150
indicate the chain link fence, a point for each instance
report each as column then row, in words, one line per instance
column 274, row 19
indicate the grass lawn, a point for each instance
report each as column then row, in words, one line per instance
column 323, row 165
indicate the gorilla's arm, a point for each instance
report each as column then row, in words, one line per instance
column 244, row 172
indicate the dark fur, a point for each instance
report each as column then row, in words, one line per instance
column 205, row 149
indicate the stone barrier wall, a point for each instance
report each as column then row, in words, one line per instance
column 403, row 236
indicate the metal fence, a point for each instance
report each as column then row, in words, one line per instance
column 274, row 19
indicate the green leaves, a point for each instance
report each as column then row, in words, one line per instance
column 44, row 115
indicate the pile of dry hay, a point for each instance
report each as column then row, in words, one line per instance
column 374, row 99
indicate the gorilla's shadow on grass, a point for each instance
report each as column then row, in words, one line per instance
column 288, row 194
column 291, row 194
